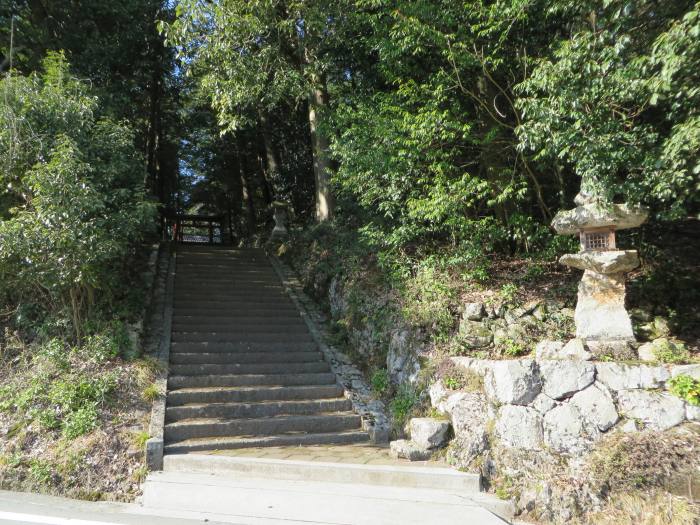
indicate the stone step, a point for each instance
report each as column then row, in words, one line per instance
column 231, row 286
column 280, row 440
column 241, row 319
column 218, row 268
column 248, row 277
column 401, row 475
column 188, row 287
column 242, row 346
column 243, row 297
column 321, row 378
column 318, row 423
column 233, row 328
column 252, row 394
column 250, row 337
column 271, row 307
column 256, row 409
column 189, row 358
column 285, row 310
column 249, row 368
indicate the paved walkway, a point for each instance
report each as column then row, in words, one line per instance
column 252, row 502
column 29, row 509
column 265, row 501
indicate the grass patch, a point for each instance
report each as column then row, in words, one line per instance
column 642, row 460
column 457, row 378
column 653, row 508
column 150, row 393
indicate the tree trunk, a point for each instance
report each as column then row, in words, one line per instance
column 318, row 100
column 246, row 192
column 272, row 155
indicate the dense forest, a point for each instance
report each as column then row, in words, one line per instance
column 421, row 141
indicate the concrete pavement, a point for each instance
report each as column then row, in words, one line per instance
column 189, row 499
column 30, row 509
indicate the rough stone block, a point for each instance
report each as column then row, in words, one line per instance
column 548, row 350
column 597, row 406
column 470, row 418
column 543, row 403
column 513, row 382
column 475, row 334
column 473, row 311
column 428, row 432
column 566, row 431
column 692, row 412
column 687, row 370
column 576, row 350
column 563, row 378
column 519, row 427
column 406, row 449
column 619, row 376
column 658, row 411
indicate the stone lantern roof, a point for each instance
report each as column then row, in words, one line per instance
column 598, row 215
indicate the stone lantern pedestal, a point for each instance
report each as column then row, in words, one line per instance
column 600, row 311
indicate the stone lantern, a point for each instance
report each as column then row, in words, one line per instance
column 600, row 311
column 280, row 215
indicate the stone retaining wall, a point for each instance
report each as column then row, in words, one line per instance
column 561, row 405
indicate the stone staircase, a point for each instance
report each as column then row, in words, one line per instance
column 244, row 369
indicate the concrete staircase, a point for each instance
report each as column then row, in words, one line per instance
column 244, row 369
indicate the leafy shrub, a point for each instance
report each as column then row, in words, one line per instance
column 380, row 381
column 670, row 352
column 76, row 183
column 686, row 388
column 509, row 292
column 403, row 403
column 427, row 299
column 140, row 438
column 513, row 348
column 80, row 421
column 40, row 471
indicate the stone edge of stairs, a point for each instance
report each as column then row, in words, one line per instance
column 155, row 445
column 372, row 411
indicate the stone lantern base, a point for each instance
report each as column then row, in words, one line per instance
column 600, row 309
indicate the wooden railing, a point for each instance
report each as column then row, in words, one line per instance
column 199, row 229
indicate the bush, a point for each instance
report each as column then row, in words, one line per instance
column 80, row 421
column 403, row 403
column 686, row 388
column 669, row 352
column 428, row 297
column 75, row 184
column 380, row 381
